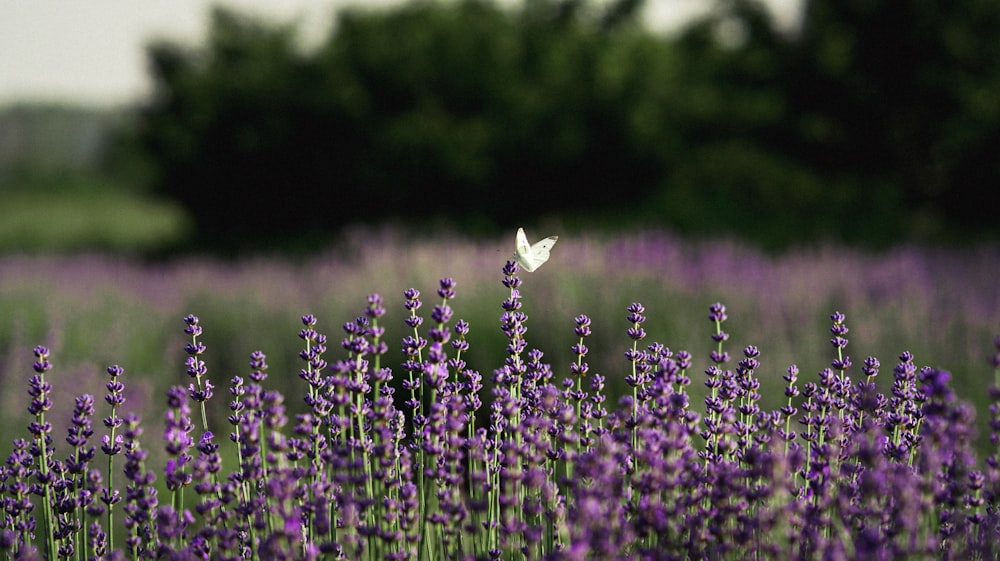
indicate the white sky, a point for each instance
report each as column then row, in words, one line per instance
column 92, row 51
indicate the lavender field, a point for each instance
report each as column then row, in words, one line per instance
column 92, row 311
column 908, row 307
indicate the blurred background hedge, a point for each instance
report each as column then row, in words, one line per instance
column 872, row 121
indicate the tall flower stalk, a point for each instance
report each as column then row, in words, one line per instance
column 40, row 430
column 201, row 390
column 112, row 446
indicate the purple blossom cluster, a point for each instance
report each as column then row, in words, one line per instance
column 528, row 462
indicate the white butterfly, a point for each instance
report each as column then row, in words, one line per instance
column 531, row 257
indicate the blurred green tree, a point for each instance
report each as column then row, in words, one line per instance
column 905, row 92
column 236, row 134
column 878, row 119
column 873, row 121
column 429, row 109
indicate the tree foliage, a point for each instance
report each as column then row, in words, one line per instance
column 873, row 122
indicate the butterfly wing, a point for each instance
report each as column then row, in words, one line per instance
column 522, row 251
column 531, row 257
column 522, row 247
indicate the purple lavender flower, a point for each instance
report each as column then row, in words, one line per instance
column 749, row 396
column 79, row 435
column 42, row 449
column 39, row 390
column 172, row 529
column 322, row 394
column 512, row 282
column 112, row 442
column 97, row 540
column 598, row 527
column 789, row 410
column 636, row 318
column 582, row 330
column 413, row 350
column 717, row 315
column 237, row 406
column 73, row 496
column 373, row 313
column 903, row 410
column 554, row 472
column 838, row 330
column 201, row 390
column 15, row 475
column 140, row 505
column 178, row 440
column 208, row 464
column 249, row 408
column 284, row 541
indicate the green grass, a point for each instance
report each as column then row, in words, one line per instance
column 104, row 219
